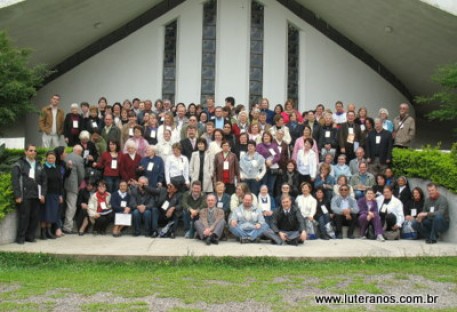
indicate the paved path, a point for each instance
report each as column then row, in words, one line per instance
column 132, row 247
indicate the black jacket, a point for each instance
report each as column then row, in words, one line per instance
column 291, row 222
column 23, row 185
column 384, row 148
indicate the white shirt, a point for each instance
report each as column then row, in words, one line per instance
column 176, row 166
column 54, row 121
column 306, row 163
column 395, row 206
column 307, row 205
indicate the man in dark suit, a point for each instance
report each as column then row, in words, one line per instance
column 189, row 145
column 349, row 135
column 379, row 148
column 288, row 223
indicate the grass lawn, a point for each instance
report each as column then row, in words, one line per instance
column 37, row 282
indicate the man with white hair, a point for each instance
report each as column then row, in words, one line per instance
column 71, row 186
column 404, row 128
column 51, row 123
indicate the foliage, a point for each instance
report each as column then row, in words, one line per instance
column 18, row 81
column 7, row 159
column 6, row 196
column 446, row 77
column 430, row 164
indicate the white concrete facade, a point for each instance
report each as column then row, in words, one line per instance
column 132, row 67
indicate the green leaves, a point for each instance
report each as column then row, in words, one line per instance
column 446, row 77
column 18, row 81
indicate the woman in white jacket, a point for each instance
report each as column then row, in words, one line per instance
column 202, row 166
column 306, row 162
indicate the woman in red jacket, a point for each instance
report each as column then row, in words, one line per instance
column 111, row 162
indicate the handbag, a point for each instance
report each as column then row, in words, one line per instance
column 178, row 180
column 311, row 229
column 408, row 231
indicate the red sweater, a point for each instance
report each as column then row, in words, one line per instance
column 129, row 166
column 105, row 163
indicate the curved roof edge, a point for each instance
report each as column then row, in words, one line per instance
column 449, row 6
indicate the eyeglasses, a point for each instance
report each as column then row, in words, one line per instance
column 32, row 151
column 344, row 189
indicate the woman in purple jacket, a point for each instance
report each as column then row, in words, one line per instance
column 269, row 150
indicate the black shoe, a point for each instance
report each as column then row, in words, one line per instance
column 324, row 237
column 172, row 235
column 351, row 236
column 68, row 232
column 244, row 240
column 214, row 239
column 293, row 242
column 81, row 233
column 154, row 234
column 136, row 234
column 30, row 240
column 430, row 241
column 208, row 241
column 49, row 234
column 20, row 241
column 339, row 236
column 43, row 234
column 278, row 242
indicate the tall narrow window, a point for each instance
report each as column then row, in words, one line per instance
column 169, row 62
column 292, row 62
column 208, row 50
column 256, row 53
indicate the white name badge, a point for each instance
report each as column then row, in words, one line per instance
column 85, row 154
column 161, row 119
column 432, row 209
column 378, row 139
column 242, row 154
column 351, row 130
column 39, row 191
column 242, row 130
column 384, row 209
column 150, row 166
column 362, row 127
column 324, row 209
column 114, row 164
column 220, row 205
column 226, row 165
column 401, row 127
column 255, row 163
column 272, row 152
column 103, row 206
column 413, row 212
column 116, row 119
column 327, row 134
column 94, row 124
column 123, row 203
column 32, row 173
column 165, row 205
column 75, row 124
column 130, row 131
column 153, row 134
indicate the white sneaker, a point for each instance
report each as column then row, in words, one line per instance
column 363, row 237
column 380, row 238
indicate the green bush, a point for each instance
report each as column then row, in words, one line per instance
column 429, row 164
column 6, row 196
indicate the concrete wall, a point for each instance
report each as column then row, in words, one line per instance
column 133, row 66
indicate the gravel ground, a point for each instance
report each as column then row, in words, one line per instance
column 62, row 300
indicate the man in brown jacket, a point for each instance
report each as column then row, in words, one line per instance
column 51, row 123
column 210, row 226
column 404, row 128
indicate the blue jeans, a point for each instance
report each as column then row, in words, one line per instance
column 112, row 183
column 431, row 227
column 250, row 234
column 323, row 220
column 188, row 222
column 254, row 185
column 138, row 217
column 269, row 180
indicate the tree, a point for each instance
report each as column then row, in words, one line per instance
column 18, row 81
column 446, row 77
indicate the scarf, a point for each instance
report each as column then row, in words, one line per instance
column 100, row 198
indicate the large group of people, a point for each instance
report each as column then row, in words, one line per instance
column 251, row 173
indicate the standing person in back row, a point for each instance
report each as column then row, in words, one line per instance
column 404, row 128
column 28, row 175
column 51, row 123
